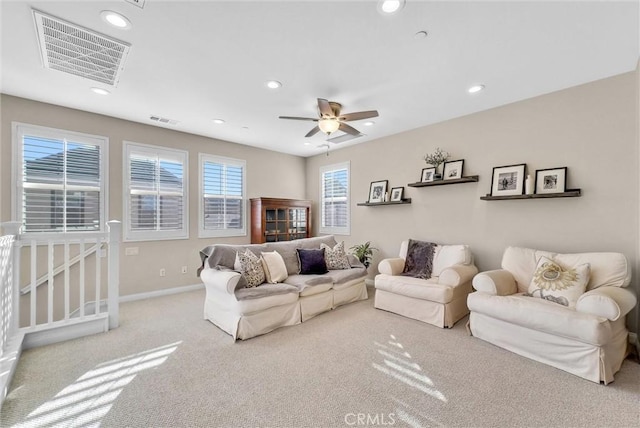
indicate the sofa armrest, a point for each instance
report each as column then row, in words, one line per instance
column 499, row 282
column 457, row 274
column 393, row 266
column 224, row 281
column 607, row 302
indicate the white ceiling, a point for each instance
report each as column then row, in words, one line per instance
column 193, row 61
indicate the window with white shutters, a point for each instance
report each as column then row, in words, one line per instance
column 156, row 199
column 335, row 199
column 222, row 197
column 59, row 180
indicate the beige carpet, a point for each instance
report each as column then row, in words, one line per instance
column 354, row 366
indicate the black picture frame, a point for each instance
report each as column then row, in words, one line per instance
column 452, row 170
column 397, row 193
column 377, row 190
column 508, row 180
column 551, row 180
column 428, row 175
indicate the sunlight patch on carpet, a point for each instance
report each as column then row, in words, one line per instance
column 399, row 366
column 86, row 401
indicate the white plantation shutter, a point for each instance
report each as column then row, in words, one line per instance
column 156, row 201
column 222, row 190
column 60, row 180
column 335, row 199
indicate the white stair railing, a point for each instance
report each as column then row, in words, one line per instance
column 62, row 301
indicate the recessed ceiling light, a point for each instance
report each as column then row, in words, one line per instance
column 273, row 84
column 389, row 7
column 306, row 143
column 218, row 121
column 100, row 91
column 369, row 123
column 115, row 19
column 245, row 128
column 475, row 88
column 420, row 35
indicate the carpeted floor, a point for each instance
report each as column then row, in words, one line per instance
column 354, row 366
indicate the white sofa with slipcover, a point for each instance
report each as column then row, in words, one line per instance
column 579, row 323
column 286, row 297
column 440, row 299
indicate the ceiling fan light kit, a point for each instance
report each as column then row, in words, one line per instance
column 331, row 120
column 328, row 125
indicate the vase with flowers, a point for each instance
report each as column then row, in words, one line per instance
column 436, row 159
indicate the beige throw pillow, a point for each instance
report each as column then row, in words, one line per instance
column 274, row 267
column 553, row 282
column 336, row 257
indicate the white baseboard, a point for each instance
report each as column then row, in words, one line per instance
column 159, row 293
column 67, row 330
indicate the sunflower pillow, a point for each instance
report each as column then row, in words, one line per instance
column 558, row 284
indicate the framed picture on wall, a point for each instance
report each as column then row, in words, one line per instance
column 377, row 191
column 508, row 180
column 396, row 194
column 453, row 169
column 551, row 180
column 428, row 174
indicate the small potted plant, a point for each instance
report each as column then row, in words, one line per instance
column 364, row 253
column 436, row 159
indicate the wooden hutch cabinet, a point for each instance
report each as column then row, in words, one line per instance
column 275, row 219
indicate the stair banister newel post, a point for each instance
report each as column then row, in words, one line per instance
column 13, row 228
column 113, row 276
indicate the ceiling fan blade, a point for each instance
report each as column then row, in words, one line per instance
column 349, row 129
column 343, row 138
column 314, row 131
column 325, row 108
column 297, row 118
column 359, row 115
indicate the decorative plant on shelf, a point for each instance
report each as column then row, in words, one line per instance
column 364, row 253
column 436, row 159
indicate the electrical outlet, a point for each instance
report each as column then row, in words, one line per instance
column 163, row 272
column 131, row 251
column 184, row 269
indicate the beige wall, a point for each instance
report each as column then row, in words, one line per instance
column 591, row 129
column 141, row 273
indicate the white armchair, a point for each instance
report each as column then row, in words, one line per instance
column 439, row 300
column 587, row 338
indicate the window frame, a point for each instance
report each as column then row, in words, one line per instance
column 18, row 131
column 152, row 150
column 346, row 230
column 220, row 233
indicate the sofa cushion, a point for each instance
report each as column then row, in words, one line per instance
column 542, row 315
column 251, row 268
column 558, row 284
column 607, row 269
column 335, row 257
column 339, row 277
column 264, row 290
column 450, row 255
column 274, row 268
column 419, row 260
column 308, row 285
column 312, row 261
column 424, row 289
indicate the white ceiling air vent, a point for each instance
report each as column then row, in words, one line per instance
column 163, row 120
column 139, row 3
column 76, row 50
